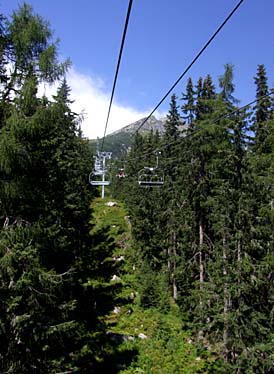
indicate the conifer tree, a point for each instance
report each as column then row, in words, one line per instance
column 204, row 144
column 170, row 138
column 209, row 244
column 262, row 107
column 199, row 94
column 146, row 219
column 173, row 120
column 189, row 107
column 171, row 146
column 48, row 317
column 234, row 205
column 256, row 279
column 227, row 85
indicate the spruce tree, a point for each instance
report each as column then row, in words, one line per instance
column 170, row 139
column 49, row 321
column 189, row 107
column 171, row 151
column 146, row 219
column 199, row 94
column 226, row 84
column 262, row 107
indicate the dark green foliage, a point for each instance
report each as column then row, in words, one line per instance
column 189, row 107
column 45, row 187
column 49, row 320
column 173, row 121
column 205, row 94
column 263, row 109
column 30, row 48
column 36, row 316
column 198, row 249
column 205, row 238
column 227, row 85
column 118, row 143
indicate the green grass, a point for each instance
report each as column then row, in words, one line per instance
column 168, row 347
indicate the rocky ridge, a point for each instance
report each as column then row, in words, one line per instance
column 151, row 124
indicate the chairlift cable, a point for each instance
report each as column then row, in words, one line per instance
column 191, row 63
column 117, row 68
column 229, row 114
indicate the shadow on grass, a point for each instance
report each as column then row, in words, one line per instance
column 121, row 357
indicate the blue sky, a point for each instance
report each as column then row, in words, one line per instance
column 163, row 36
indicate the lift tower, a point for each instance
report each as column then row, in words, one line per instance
column 99, row 176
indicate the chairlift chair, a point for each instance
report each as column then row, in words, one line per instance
column 151, row 176
column 121, row 173
column 99, row 175
column 96, row 179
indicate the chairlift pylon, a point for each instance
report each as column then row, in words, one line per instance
column 99, row 176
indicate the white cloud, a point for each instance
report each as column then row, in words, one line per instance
column 91, row 99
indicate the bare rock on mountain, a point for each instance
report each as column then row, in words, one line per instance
column 151, row 124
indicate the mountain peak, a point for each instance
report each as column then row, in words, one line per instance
column 151, row 124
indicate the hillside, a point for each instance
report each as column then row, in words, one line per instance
column 146, row 340
column 151, row 124
column 119, row 141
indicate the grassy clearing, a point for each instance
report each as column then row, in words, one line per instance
column 162, row 344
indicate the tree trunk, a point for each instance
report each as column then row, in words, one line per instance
column 226, row 303
column 201, row 261
column 172, row 263
column 174, row 285
column 201, row 270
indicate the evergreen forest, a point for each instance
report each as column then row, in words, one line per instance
column 173, row 279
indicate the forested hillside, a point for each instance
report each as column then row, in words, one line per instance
column 204, row 239
column 176, row 278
